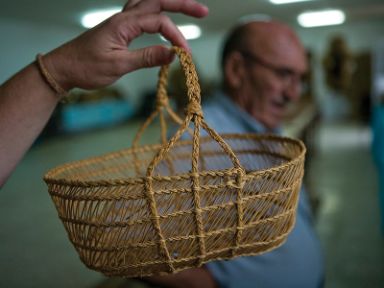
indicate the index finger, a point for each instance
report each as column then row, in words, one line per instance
column 188, row 7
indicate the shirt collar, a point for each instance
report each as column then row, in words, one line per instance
column 247, row 120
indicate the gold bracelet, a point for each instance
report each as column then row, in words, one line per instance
column 48, row 77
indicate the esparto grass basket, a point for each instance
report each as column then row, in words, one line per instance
column 158, row 209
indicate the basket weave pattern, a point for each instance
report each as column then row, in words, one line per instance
column 159, row 209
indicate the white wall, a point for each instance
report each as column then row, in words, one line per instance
column 21, row 41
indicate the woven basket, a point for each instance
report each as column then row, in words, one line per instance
column 159, row 209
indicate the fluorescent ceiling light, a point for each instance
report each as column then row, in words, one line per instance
column 93, row 18
column 321, row 18
column 277, row 2
column 189, row 31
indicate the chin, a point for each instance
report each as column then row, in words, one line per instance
column 273, row 123
column 269, row 123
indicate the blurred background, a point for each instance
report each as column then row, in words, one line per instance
column 340, row 118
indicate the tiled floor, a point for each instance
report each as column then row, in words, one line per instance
column 348, row 222
column 34, row 251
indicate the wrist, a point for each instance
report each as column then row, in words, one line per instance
column 58, row 68
column 48, row 78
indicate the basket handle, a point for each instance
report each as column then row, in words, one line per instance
column 194, row 113
column 162, row 103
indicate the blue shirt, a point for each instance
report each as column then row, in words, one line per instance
column 298, row 262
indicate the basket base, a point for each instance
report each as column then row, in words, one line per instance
column 160, row 269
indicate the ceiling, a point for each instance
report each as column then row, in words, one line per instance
column 223, row 13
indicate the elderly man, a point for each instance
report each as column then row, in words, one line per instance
column 262, row 64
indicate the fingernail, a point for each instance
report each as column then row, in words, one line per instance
column 205, row 7
column 171, row 53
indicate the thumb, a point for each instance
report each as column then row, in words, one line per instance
column 149, row 57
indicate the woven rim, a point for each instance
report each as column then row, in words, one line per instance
column 53, row 176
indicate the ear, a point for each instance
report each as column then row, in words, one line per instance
column 234, row 70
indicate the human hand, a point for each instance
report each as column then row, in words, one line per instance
column 100, row 56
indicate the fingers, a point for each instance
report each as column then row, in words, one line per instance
column 103, row 52
column 147, row 13
column 148, row 57
column 188, row 7
column 156, row 23
column 154, row 55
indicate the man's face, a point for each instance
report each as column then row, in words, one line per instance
column 272, row 80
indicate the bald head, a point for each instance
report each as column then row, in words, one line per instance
column 263, row 37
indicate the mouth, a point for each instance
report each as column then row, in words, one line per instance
column 280, row 106
column 281, row 103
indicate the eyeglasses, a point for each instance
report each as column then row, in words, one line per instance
column 287, row 75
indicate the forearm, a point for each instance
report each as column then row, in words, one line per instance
column 26, row 103
column 96, row 58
